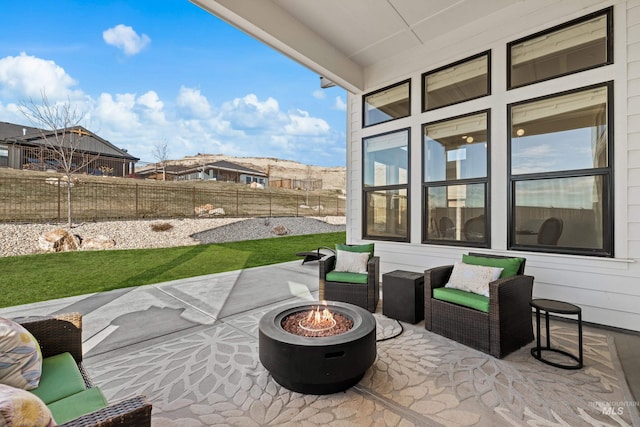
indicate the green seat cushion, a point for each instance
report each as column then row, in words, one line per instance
column 60, row 378
column 467, row 299
column 343, row 277
column 78, row 404
column 356, row 248
column 510, row 266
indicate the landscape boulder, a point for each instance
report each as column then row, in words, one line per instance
column 204, row 209
column 59, row 240
column 208, row 209
column 280, row 230
column 98, row 242
column 62, row 181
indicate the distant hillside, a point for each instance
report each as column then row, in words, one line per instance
column 332, row 178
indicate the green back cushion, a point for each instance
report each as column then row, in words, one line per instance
column 356, row 248
column 77, row 405
column 343, row 277
column 467, row 299
column 60, row 378
column 510, row 266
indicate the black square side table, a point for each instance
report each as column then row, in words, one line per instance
column 559, row 307
column 403, row 295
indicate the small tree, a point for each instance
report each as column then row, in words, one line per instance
column 62, row 136
column 308, row 181
column 161, row 154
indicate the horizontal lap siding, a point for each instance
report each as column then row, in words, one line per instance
column 624, row 294
column 633, row 124
column 354, row 169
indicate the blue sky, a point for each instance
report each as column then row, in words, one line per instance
column 147, row 73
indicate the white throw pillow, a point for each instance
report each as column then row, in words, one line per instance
column 473, row 278
column 351, row 262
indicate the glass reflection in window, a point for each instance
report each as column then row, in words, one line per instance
column 456, row 212
column 456, row 149
column 386, row 159
column 566, row 212
column 386, row 213
column 386, row 104
column 561, row 133
column 462, row 81
column 561, row 51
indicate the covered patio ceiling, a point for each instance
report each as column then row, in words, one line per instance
column 345, row 41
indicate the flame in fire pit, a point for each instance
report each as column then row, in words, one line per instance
column 318, row 320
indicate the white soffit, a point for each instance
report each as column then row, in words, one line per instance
column 339, row 39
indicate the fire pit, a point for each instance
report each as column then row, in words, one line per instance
column 312, row 351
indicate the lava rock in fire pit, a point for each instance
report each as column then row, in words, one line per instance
column 317, row 364
column 313, row 323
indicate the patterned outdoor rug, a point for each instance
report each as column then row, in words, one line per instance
column 212, row 376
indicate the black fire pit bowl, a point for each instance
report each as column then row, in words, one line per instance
column 319, row 365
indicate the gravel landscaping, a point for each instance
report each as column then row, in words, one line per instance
column 22, row 239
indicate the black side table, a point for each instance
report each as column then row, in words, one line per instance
column 559, row 307
column 403, row 296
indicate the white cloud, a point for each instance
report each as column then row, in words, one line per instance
column 151, row 101
column 340, row 105
column 118, row 112
column 27, row 76
column 319, row 94
column 125, row 38
column 154, row 108
column 251, row 113
column 244, row 126
column 189, row 124
column 193, row 101
column 302, row 124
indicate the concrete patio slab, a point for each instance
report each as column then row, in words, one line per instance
column 191, row 346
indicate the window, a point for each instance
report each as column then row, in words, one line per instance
column 560, row 173
column 455, row 83
column 386, row 186
column 4, row 155
column 455, row 165
column 387, row 104
column 575, row 46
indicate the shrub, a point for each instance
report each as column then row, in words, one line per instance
column 162, row 226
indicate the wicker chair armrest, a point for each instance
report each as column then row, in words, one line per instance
column 515, row 292
column 56, row 334
column 436, row 277
column 373, row 269
column 373, row 263
column 327, row 265
column 518, row 284
column 133, row 412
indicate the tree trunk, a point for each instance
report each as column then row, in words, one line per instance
column 69, row 202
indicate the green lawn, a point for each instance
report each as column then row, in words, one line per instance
column 32, row 278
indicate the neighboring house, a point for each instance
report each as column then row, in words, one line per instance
column 498, row 126
column 218, row 171
column 23, row 147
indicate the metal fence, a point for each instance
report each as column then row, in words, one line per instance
column 39, row 200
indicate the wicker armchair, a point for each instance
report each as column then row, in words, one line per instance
column 62, row 333
column 505, row 328
column 363, row 295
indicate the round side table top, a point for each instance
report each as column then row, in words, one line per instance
column 554, row 306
